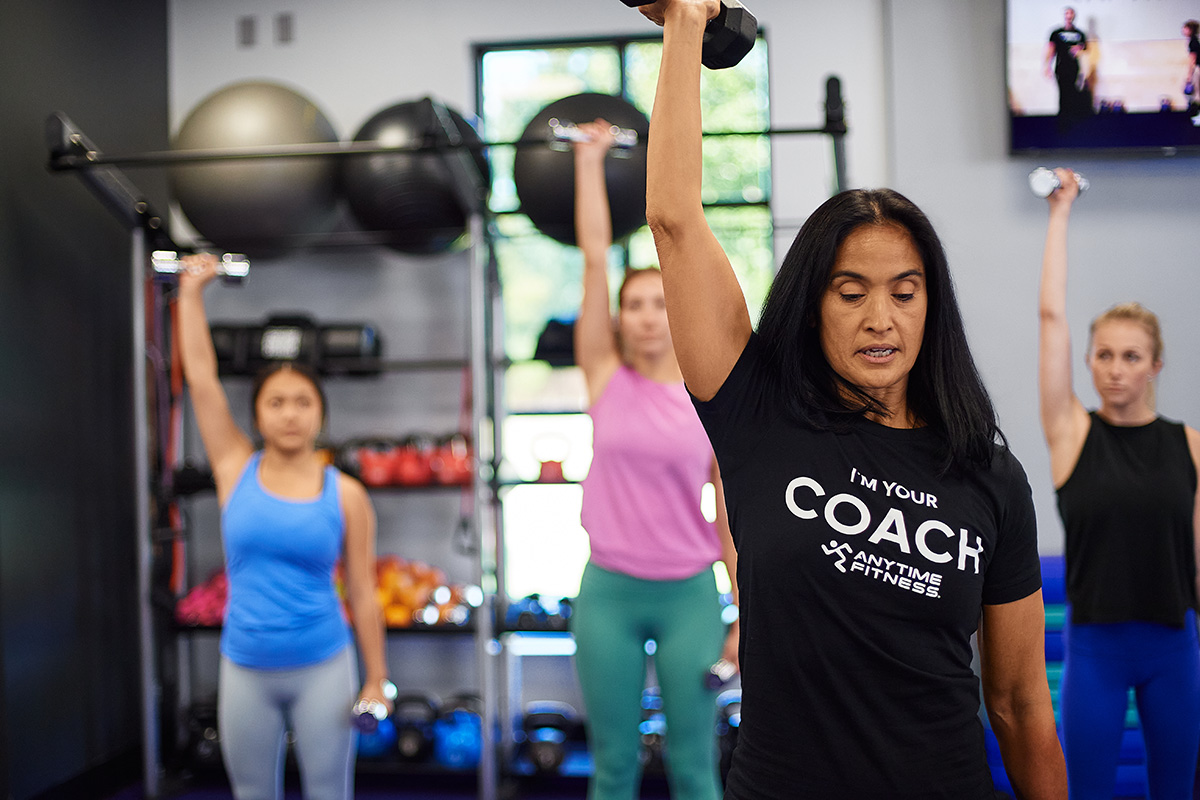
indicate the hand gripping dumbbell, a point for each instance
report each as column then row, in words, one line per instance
column 563, row 132
column 720, row 675
column 728, row 37
column 367, row 715
column 1043, row 182
column 233, row 267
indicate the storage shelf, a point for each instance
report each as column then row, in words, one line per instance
column 198, row 480
column 415, row 629
column 368, row 367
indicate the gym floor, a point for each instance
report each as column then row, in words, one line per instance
column 405, row 788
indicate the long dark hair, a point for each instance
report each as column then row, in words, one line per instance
column 945, row 391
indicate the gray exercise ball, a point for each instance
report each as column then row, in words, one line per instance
column 262, row 206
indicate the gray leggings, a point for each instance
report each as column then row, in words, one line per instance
column 257, row 706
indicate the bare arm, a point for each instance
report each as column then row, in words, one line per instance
column 729, row 557
column 226, row 446
column 1049, row 59
column 1017, row 694
column 359, row 554
column 1064, row 419
column 710, row 324
column 596, row 350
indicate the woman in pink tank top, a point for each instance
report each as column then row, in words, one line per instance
column 649, row 575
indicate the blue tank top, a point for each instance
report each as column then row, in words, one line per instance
column 280, row 553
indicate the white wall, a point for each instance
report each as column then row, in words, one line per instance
column 1133, row 234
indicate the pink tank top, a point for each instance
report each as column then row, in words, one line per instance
column 641, row 498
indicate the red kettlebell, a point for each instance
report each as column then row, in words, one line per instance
column 412, row 464
column 376, row 463
column 451, row 461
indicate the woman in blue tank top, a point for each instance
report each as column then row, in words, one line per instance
column 1126, row 484
column 287, row 656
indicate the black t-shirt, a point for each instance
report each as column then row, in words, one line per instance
column 1127, row 512
column 862, row 573
column 1063, row 41
column 1194, row 47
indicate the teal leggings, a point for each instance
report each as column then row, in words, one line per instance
column 612, row 618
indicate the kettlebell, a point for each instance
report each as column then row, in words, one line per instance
column 415, row 716
column 451, row 460
column 380, row 742
column 547, row 726
column 204, row 743
column 458, row 732
column 411, row 465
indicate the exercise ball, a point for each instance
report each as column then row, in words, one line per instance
column 259, row 206
column 414, row 202
column 545, row 175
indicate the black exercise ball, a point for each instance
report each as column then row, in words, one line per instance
column 262, row 207
column 545, row 176
column 413, row 202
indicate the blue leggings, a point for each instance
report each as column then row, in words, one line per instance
column 255, row 708
column 612, row 618
column 1162, row 664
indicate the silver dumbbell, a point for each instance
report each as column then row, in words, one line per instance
column 564, row 132
column 1043, row 182
column 233, row 267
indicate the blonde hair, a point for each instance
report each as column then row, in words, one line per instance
column 1133, row 312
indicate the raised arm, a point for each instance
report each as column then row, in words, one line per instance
column 1064, row 419
column 596, row 350
column 1017, row 695
column 226, row 446
column 710, row 324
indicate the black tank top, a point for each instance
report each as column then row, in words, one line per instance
column 1127, row 509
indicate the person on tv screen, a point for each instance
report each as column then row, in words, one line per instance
column 1062, row 61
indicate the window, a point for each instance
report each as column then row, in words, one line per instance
column 545, row 547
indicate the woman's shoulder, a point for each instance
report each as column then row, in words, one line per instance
column 347, row 483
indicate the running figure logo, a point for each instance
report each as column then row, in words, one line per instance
column 843, row 550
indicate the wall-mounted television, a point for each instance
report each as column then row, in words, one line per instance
column 1105, row 76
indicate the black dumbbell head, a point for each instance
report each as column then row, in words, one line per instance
column 729, row 37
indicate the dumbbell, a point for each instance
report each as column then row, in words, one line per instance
column 728, row 37
column 719, row 675
column 564, row 131
column 1043, row 182
column 368, row 715
column 233, row 267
